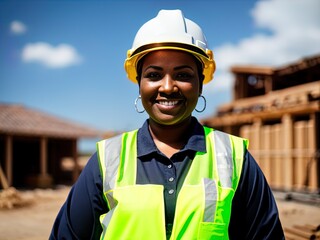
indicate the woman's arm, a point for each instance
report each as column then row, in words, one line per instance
column 79, row 216
column 254, row 211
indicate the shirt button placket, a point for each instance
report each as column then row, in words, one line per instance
column 171, row 177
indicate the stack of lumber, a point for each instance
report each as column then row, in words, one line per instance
column 302, row 232
column 11, row 198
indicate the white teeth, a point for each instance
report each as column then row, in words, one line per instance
column 168, row 103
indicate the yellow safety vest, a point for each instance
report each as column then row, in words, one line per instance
column 203, row 207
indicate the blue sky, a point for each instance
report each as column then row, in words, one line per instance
column 66, row 57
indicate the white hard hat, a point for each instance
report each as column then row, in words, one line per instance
column 170, row 30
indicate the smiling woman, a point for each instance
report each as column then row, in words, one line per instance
column 172, row 178
column 169, row 86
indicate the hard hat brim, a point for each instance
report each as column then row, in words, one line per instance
column 133, row 57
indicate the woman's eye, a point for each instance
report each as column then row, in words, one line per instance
column 153, row 75
column 184, row 76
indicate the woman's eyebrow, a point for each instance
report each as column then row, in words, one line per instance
column 182, row 67
column 154, row 67
column 175, row 68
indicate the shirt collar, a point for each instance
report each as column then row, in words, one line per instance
column 146, row 145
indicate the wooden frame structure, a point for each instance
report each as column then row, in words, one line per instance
column 33, row 145
column 278, row 110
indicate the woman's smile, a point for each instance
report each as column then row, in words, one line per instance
column 169, row 106
column 168, row 103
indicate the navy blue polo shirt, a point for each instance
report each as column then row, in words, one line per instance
column 153, row 167
column 254, row 212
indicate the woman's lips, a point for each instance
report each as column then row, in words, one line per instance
column 168, row 102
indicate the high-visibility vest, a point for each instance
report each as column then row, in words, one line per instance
column 203, row 206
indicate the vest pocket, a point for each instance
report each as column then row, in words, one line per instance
column 138, row 214
column 209, row 230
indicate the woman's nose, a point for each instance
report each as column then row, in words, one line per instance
column 168, row 85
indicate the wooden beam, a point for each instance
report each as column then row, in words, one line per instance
column 3, row 179
column 277, row 158
column 287, row 139
column 252, row 69
column 76, row 170
column 43, row 156
column 312, row 166
column 280, row 99
column 9, row 159
column 247, row 118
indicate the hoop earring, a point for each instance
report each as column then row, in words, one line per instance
column 136, row 103
column 204, row 104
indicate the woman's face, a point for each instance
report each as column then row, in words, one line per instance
column 169, row 86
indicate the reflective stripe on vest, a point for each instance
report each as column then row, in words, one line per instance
column 203, row 207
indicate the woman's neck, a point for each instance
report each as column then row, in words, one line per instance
column 170, row 138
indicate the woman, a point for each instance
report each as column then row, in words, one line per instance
column 172, row 178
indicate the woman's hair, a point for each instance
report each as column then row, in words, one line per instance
column 197, row 61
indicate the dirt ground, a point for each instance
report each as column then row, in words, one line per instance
column 33, row 221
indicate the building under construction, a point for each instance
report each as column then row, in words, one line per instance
column 34, row 146
column 278, row 110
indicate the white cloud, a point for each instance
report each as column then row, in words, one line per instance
column 17, row 27
column 288, row 15
column 60, row 56
column 295, row 33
